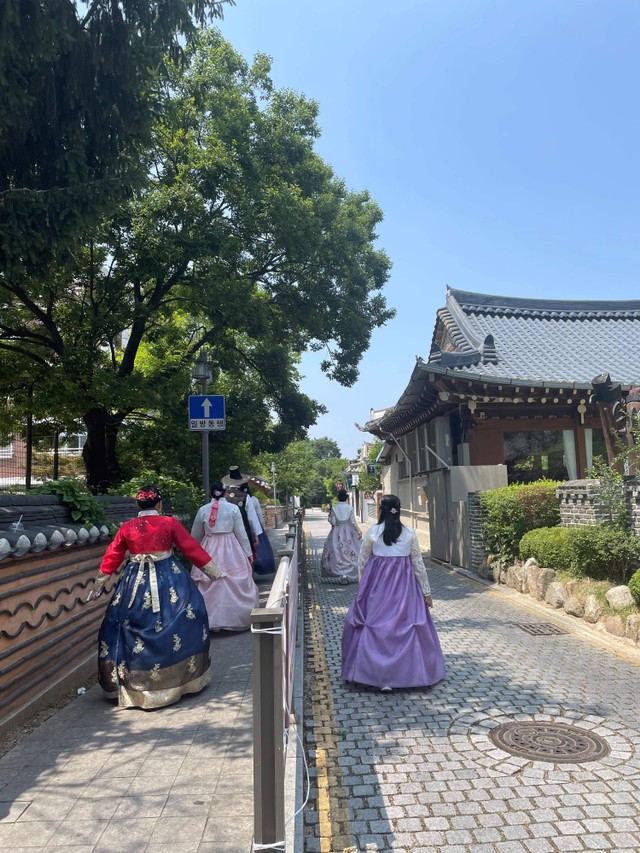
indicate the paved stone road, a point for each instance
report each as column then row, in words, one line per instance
column 416, row 771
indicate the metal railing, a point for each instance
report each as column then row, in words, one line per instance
column 275, row 635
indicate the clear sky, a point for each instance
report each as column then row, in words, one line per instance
column 499, row 137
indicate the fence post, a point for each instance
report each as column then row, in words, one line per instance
column 268, row 728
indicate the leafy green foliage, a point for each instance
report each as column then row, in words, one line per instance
column 78, row 86
column 509, row 512
column 634, row 586
column 549, row 545
column 241, row 240
column 610, row 501
column 603, row 553
column 182, row 499
column 600, row 553
column 82, row 505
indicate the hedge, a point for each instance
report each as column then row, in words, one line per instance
column 510, row 512
column 596, row 552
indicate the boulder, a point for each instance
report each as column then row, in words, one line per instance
column 593, row 610
column 619, row 597
column 544, row 578
column 614, row 625
column 514, row 577
column 574, row 607
column 555, row 595
column 632, row 627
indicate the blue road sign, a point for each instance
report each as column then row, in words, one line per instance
column 207, row 412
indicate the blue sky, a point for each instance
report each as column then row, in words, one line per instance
column 499, row 137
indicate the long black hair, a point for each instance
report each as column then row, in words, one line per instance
column 390, row 517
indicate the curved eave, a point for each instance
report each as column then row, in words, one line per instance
column 421, row 400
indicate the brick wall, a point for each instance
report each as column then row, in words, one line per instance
column 578, row 503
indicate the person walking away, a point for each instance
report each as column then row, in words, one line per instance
column 218, row 526
column 389, row 639
column 264, row 563
column 342, row 545
column 153, row 644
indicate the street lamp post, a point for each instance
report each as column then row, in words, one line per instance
column 273, row 471
column 202, row 374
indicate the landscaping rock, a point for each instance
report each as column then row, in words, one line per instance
column 544, row 578
column 555, row 595
column 593, row 610
column 620, row 597
column 531, row 573
column 496, row 568
column 574, row 607
column 614, row 625
column 632, row 627
column 515, row 575
column 503, row 574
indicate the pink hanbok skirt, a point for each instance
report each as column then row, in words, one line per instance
column 389, row 639
column 231, row 598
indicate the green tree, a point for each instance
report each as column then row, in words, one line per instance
column 243, row 240
column 78, row 85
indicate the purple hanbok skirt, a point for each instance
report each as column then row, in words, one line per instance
column 389, row 639
column 341, row 551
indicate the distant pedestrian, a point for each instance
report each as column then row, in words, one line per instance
column 342, row 546
column 389, row 639
column 153, row 644
column 264, row 562
column 219, row 527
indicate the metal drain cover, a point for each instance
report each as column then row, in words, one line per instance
column 557, row 743
column 540, row 629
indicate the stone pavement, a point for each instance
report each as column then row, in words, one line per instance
column 177, row 779
column 416, row 770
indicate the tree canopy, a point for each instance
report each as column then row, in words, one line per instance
column 78, row 89
column 241, row 239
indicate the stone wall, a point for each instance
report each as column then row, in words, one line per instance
column 478, row 552
column 578, row 506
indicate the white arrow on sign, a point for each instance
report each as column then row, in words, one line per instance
column 206, row 405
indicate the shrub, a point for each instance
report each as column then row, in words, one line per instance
column 634, row 586
column 74, row 494
column 182, row 499
column 549, row 545
column 603, row 553
column 510, row 512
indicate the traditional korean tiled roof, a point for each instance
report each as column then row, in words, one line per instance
column 542, row 340
column 32, row 523
column 501, row 340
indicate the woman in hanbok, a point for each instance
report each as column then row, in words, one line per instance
column 264, row 563
column 153, row 644
column 219, row 527
column 342, row 545
column 389, row 639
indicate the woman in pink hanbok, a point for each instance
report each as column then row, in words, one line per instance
column 342, row 546
column 219, row 527
column 389, row 639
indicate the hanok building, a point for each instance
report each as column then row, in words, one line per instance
column 513, row 390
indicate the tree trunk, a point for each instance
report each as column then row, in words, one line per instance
column 99, row 452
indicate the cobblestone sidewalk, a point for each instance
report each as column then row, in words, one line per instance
column 417, row 770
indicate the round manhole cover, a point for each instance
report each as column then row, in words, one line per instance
column 553, row 742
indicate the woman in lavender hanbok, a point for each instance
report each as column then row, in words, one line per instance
column 389, row 639
column 219, row 528
column 342, row 546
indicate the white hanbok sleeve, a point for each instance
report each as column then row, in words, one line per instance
column 252, row 515
column 197, row 529
column 418, row 566
column 240, row 532
column 258, row 508
column 366, row 550
column 332, row 518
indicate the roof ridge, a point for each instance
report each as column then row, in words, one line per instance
column 483, row 303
